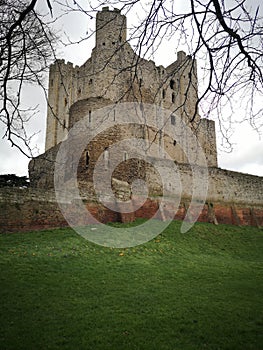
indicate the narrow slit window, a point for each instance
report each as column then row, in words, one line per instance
column 89, row 116
column 173, row 97
column 87, row 159
column 106, row 157
column 163, row 94
column 172, row 84
column 173, row 119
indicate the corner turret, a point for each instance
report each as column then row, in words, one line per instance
column 111, row 28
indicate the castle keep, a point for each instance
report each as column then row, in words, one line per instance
column 116, row 74
column 112, row 76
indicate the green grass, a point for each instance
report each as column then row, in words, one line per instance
column 199, row 290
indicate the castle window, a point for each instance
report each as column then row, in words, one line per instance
column 51, row 82
column 79, row 91
column 103, row 44
column 140, row 82
column 173, row 119
column 174, row 142
column 90, row 81
column 64, row 124
column 106, row 153
column 87, row 158
column 113, row 43
column 125, row 156
column 163, row 94
column 89, row 116
column 65, row 101
column 173, row 97
column 106, row 156
column 114, row 115
column 172, row 84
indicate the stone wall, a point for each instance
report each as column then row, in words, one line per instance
column 233, row 198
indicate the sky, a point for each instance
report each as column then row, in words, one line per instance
column 247, row 154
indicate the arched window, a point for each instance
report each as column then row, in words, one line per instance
column 172, row 84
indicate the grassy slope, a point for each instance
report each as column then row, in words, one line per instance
column 200, row 290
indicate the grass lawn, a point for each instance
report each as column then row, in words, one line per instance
column 199, row 290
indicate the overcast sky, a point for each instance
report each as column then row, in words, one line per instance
column 247, row 156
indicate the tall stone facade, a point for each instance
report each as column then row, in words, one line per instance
column 115, row 73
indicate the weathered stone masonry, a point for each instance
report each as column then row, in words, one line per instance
column 108, row 77
column 233, row 198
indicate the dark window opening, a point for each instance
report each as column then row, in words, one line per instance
column 64, row 124
column 79, row 91
column 113, row 43
column 87, row 158
column 114, row 115
column 90, row 81
column 140, row 82
column 173, row 119
column 173, row 97
column 65, row 101
column 172, row 84
column 89, row 116
column 174, row 142
column 163, row 94
column 103, row 44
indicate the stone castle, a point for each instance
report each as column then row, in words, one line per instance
column 114, row 75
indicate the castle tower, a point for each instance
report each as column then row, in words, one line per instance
column 110, row 29
column 109, row 76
